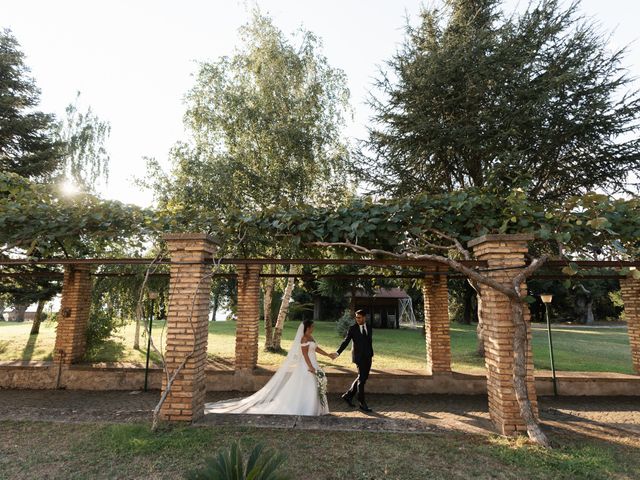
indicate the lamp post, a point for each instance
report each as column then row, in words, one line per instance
column 152, row 296
column 546, row 299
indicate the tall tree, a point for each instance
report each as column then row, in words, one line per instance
column 264, row 128
column 477, row 98
column 85, row 159
column 265, row 131
column 27, row 146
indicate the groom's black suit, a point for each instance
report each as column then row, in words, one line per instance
column 361, row 355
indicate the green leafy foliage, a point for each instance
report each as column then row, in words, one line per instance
column 85, row 159
column 479, row 97
column 101, row 326
column 42, row 222
column 264, row 131
column 406, row 224
column 27, row 146
column 344, row 322
column 230, row 464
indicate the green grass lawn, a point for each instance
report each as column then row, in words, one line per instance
column 100, row 451
column 583, row 349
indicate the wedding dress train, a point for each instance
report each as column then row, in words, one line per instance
column 292, row 390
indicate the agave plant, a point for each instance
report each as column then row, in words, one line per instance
column 229, row 464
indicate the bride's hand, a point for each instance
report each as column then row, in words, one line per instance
column 312, row 370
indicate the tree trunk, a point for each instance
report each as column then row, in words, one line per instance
column 467, row 313
column 589, row 318
column 19, row 311
column 520, row 372
column 216, row 304
column 316, row 308
column 136, row 338
column 267, row 301
column 35, row 326
column 284, row 309
column 352, row 302
column 480, row 327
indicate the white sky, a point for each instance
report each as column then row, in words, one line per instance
column 133, row 60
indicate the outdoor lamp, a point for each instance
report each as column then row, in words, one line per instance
column 546, row 298
column 152, row 296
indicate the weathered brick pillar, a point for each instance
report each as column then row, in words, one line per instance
column 187, row 324
column 630, row 288
column 73, row 317
column 503, row 251
column 248, row 318
column 436, row 323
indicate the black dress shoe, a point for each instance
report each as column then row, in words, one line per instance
column 348, row 400
column 365, row 408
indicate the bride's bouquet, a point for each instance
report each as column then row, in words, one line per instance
column 321, row 379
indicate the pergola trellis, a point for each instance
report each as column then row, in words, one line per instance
column 191, row 255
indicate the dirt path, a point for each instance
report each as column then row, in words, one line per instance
column 616, row 419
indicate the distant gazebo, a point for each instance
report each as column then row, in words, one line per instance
column 382, row 306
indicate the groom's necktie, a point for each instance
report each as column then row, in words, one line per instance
column 363, row 329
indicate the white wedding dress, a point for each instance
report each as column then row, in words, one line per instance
column 293, row 389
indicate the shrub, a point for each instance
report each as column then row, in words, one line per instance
column 100, row 327
column 229, row 464
column 344, row 322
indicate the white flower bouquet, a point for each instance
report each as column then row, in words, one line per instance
column 321, row 379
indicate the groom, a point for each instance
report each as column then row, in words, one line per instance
column 361, row 355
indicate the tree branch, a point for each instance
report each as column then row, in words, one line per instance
column 465, row 253
column 453, row 264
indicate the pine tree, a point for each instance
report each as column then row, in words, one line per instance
column 477, row 98
column 27, row 145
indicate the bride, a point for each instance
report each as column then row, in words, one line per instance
column 293, row 389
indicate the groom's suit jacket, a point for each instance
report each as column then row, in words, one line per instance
column 362, row 350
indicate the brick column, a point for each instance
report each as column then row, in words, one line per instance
column 248, row 318
column 436, row 323
column 187, row 324
column 630, row 288
column 503, row 251
column 73, row 317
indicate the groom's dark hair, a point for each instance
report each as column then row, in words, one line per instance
column 361, row 312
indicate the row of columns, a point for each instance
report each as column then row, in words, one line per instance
column 188, row 312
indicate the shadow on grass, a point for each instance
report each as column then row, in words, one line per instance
column 4, row 345
column 218, row 360
column 573, row 456
column 282, row 352
column 154, row 358
column 109, row 351
column 588, row 404
column 27, row 352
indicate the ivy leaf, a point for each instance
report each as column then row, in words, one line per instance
column 599, row 223
column 544, row 233
column 618, row 246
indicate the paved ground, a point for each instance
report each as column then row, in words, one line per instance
column 616, row 419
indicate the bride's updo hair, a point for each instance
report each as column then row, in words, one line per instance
column 307, row 324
